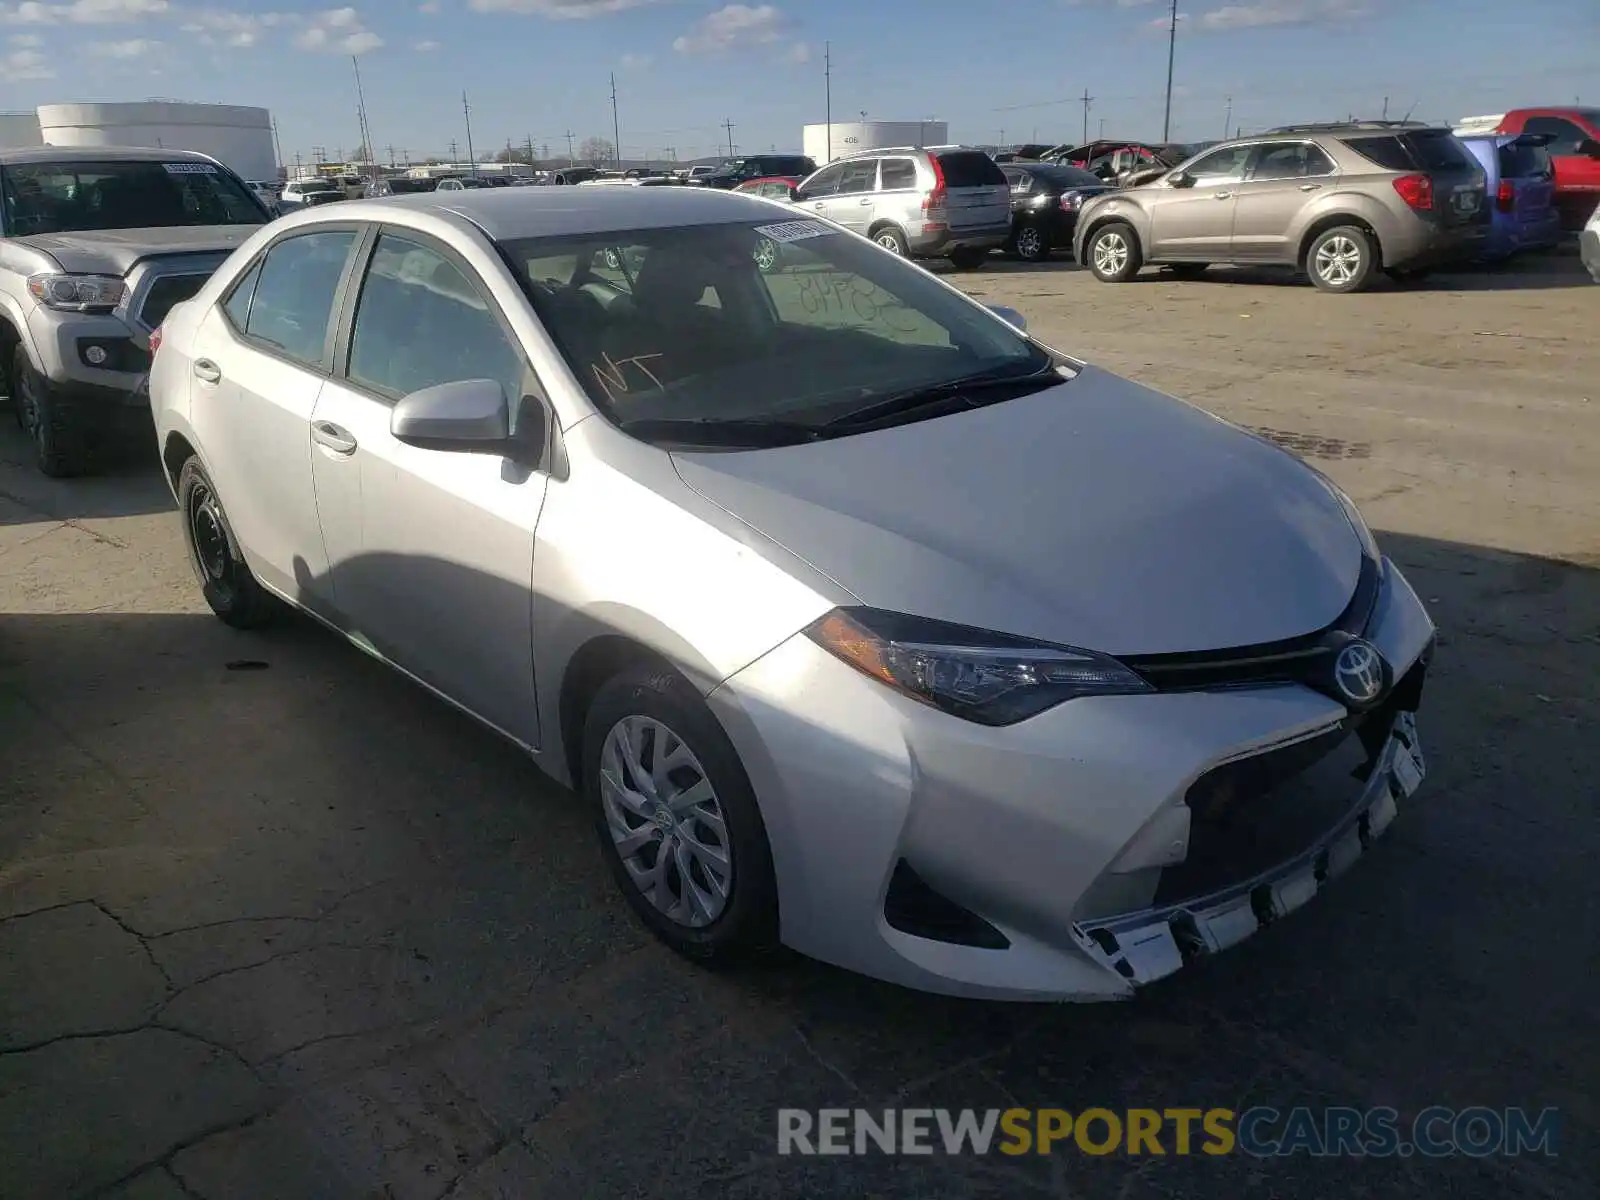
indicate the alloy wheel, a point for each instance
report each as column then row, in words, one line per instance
column 889, row 242
column 1110, row 253
column 1029, row 243
column 665, row 820
column 1338, row 260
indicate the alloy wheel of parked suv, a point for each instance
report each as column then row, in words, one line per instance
column 1114, row 253
column 892, row 240
column 1340, row 259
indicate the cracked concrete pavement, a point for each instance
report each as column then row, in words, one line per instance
column 302, row 931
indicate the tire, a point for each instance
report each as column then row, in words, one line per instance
column 1031, row 244
column 1113, row 252
column 225, row 578
column 714, row 917
column 968, row 258
column 60, row 445
column 1188, row 270
column 1341, row 259
column 892, row 240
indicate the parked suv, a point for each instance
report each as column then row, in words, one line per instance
column 1520, row 181
column 940, row 201
column 756, row 166
column 95, row 247
column 1340, row 202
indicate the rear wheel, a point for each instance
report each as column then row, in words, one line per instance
column 225, row 579
column 677, row 819
column 892, row 240
column 1032, row 244
column 1341, row 259
column 1113, row 253
column 968, row 258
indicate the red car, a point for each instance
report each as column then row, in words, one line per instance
column 774, row 187
column 1574, row 149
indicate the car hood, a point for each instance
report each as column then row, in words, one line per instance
column 115, row 251
column 1098, row 514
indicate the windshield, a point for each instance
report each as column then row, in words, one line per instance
column 793, row 321
column 67, row 197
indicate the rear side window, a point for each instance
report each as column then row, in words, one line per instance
column 898, row 173
column 1438, row 151
column 1521, row 161
column 970, row 168
column 237, row 305
column 1384, row 151
column 294, row 293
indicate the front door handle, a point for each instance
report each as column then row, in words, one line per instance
column 865, row 202
column 818, row 205
column 326, row 433
column 1310, row 187
column 1221, row 195
column 207, row 371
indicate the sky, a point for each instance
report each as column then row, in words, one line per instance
column 1014, row 72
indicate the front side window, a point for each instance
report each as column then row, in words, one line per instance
column 421, row 322
column 294, row 294
column 68, row 197
column 824, row 183
column 1564, row 135
column 702, row 333
column 1219, row 165
column 859, row 177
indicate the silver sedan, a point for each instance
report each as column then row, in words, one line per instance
column 861, row 620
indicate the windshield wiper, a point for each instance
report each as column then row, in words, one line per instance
column 710, row 431
column 911, row 399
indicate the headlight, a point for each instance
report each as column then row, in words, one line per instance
column 990, row 678
column 77, row 293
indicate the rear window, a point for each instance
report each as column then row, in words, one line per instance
column 1520, row 161
column 1438, row 151
column 970, row 168
column 1386, row 152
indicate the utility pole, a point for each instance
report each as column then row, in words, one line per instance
column 1172, row 50
column 1087, row 101
column 278, row 142
column 531, row 158
column 466, row 111
column 827, row 85
column 454, row 152
column 297, row 167
column 1227, row 120
column 569, row 148
column 1386, row 108
column 366, row 125
column 616, row 129
column 729, row 126
column 1102, row 132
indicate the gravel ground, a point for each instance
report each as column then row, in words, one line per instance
column 275, row 923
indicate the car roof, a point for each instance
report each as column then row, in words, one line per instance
column 506, row 214
column 17, row 155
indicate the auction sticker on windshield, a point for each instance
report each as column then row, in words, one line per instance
column 189, row 168
column 793, row 231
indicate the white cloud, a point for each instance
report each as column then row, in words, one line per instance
column 132, row 48
column 425, row 45
column 25, row 39
column 1269, row 13
column 633, row 62
column 560, row 10
column 25, row 64
column 799, row 53
column 81, row 12
column 731, row 27
column 224, row 27
column 337, row 31
column 431, row 8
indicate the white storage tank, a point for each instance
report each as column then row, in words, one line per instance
column 20, row 129
column 852, row 137
column 239, row 137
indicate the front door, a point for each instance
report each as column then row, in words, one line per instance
column 851, row 205
column 1283, row 178
column 1196, row 220
column 260, row 361
column 431, row 551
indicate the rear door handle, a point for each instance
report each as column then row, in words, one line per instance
column 818, row 205
column 1220, row 195
column 326, row 433
column 207, row 371
column 1310, row 187
column 864, row 203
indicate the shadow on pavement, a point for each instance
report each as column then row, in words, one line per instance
column 129, row 486
column 276, row 919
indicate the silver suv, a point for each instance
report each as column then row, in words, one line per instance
column 96, row 245
column 1340, row 202
column 932, row 202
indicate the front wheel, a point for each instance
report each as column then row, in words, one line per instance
column 1113, row 253
column 60, row 444
column 1032, row 244
column 225, row 578
column 1341, row 259
column 677, row 818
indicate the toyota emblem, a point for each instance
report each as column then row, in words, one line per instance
column 1358, row 673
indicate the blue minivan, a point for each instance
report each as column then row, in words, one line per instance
column 1521, row 185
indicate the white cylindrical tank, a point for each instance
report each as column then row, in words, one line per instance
column 239, row 137
column 20, row 129
column 852, row 137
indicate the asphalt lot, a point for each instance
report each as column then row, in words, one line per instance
column 274, row 923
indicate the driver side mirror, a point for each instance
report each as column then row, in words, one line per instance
column 1010, row 316
column 1180, row 179
column 1589, row 147
column 468, row 416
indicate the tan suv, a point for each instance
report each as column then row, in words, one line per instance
column 1339, row 202
column 921, row 202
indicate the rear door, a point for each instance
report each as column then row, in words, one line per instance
column 976, row 193
column 1280, row 180
column 1458, row 182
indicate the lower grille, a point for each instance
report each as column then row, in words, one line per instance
column 166, row 293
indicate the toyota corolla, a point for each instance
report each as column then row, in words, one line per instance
column 863, row 621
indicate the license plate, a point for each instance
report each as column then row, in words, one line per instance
column 1467, row 202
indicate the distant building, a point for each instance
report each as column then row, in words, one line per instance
column 237, row 136
column 824, row 143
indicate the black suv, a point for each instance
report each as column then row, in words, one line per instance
column 758, row 166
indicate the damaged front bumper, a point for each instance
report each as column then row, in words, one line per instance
column 1146, row 946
